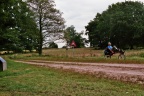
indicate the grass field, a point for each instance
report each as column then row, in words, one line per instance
column 27, row 80
column 83, row 55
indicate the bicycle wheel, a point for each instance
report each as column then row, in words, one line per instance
column 122, row 57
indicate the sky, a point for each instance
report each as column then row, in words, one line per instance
column 80, row 12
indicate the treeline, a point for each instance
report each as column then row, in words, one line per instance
column 29, row 24
column 122, row 24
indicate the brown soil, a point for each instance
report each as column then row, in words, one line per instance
column 124, row 72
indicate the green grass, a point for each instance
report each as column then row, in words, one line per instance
column 27, row 80
column 82, row 55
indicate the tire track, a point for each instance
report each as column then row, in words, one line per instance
column 124, row 72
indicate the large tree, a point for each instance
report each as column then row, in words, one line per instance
column 49, row 21
column 26, row 26
column 122, row 24
column 16, row 19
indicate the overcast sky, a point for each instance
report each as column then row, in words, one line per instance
column 80, row 12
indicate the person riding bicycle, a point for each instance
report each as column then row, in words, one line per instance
column 108, row 50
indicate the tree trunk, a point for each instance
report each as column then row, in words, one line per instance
column 131, row 47
column 41, row 35
column 40, row 48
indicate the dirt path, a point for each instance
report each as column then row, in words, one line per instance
column 123, row 72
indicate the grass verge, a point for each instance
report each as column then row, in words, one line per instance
column 27, row 80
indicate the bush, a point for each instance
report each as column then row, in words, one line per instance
column 53, row 45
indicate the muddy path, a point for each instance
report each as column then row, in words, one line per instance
column 124, row 72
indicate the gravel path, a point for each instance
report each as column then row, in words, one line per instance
column 124, row 72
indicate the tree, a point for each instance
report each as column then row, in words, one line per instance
column 70, row 34
column 6, row 22
column 122, row 24
column 91, row 30
column 53, row 45
column 49, row 21
column 16, row 19
column 127, row 23
column 26, row 26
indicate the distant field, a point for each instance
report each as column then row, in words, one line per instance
column 83, row 55
column 87, row 52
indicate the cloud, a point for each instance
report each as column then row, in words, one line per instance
column 80, row 12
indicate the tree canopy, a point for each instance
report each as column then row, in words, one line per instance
column 49, row 21
column 29, row 24
column 70, row 35
column 53, row 45
column 122, row 24
column 17, row 27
